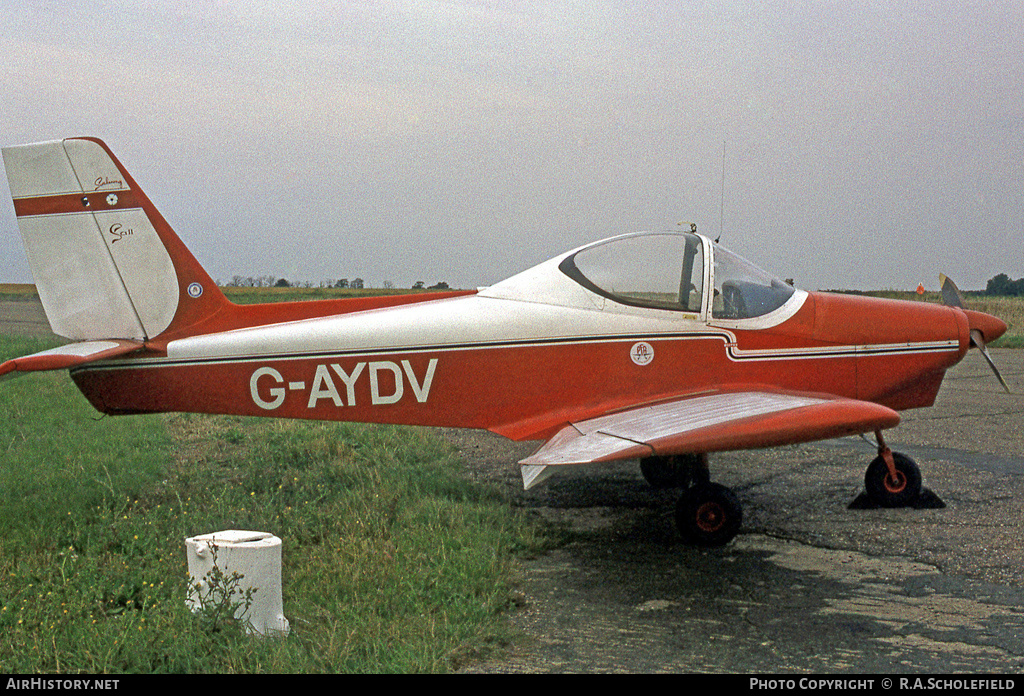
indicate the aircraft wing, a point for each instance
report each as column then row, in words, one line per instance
column 68, row 356
column 708, row 422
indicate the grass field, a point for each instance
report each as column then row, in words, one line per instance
column 26, row 291
column 1009, row 309
column 17, row 291
column 256, row 295
column 392, row 562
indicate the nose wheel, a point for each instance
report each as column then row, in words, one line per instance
column 895, row 486
column 892, row 479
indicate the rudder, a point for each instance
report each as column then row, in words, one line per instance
column 105, row 262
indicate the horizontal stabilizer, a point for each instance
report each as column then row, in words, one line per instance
column 68, row 356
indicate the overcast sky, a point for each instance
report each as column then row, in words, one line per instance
column 866, row 144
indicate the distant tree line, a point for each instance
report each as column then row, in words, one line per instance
column 268, row 281
column 1002, row 285
column 264, row 281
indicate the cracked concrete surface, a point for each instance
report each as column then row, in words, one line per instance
column 809, row 585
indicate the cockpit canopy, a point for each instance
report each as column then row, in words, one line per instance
column 661, row 271
column 670, row 271
column 744, row 291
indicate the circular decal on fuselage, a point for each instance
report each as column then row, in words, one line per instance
column 195, row 290
column 642, row 353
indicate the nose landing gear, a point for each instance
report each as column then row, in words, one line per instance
column 893, row 480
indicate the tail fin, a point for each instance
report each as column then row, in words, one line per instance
column 106, row 263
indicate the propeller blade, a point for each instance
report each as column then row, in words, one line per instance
column 979, row 341
column 951, row 296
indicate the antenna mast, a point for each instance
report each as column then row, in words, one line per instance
column 721, row 210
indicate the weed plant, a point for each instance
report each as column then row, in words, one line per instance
column 392, row 562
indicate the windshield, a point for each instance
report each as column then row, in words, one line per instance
column 742, row 290
column 664, row 271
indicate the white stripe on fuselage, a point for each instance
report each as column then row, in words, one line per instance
column 482, row 323
column 456, row 323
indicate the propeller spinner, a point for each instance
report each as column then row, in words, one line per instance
column 982, row 325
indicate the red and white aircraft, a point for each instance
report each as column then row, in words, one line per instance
column 662, row 347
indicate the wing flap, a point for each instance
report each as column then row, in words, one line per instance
column 68, row 356
column 711, row 423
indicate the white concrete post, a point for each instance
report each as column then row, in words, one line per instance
column 256, row 558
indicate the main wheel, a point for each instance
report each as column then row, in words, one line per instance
column 670, row 472
column 709, row 515
column 893, row 491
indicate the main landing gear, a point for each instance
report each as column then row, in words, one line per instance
column 707, row 514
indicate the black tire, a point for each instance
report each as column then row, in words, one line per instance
column 886, row 491
column 709, row 515
column 668, row 472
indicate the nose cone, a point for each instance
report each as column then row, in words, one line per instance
column 990, row 327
